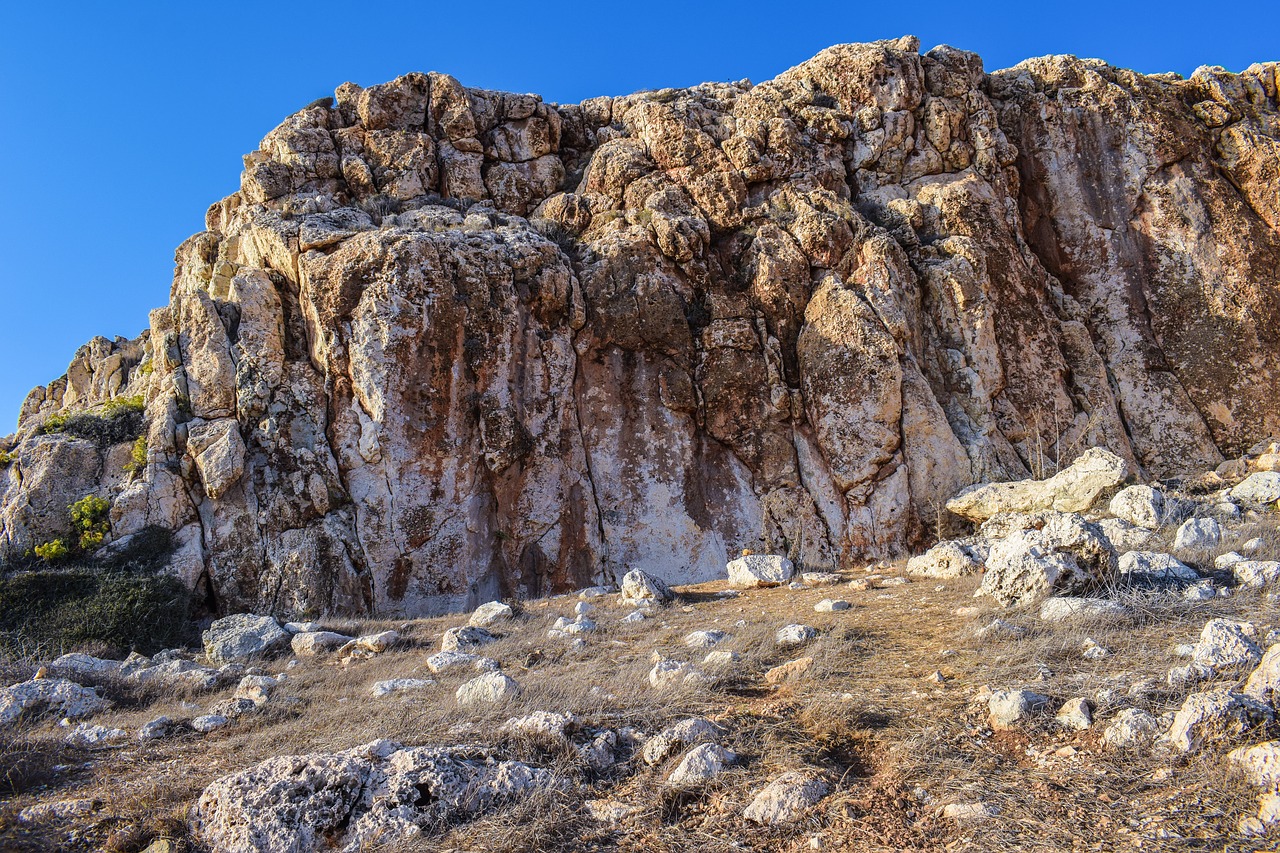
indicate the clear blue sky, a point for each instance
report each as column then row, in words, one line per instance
column 123, row 121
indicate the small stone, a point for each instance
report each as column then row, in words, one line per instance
column 400, row 685
column 543, row 724
column 705, row 639
column 1260, row 763
column 968, row 812
column 1000, row 629
column 314, row 643
column 795, row 635
column 816, row 579
column 1229, row 559
column 681, row 735
column 1256, row 573
column 465, row 637
column 209, row 723
column 789, row 670
column 489, row 613
column 1064, row 609
column 492, row 688
column 830, row 605
column 1076, row 714
column 445, row 662
column 1214, row 717
column 950, row 559
column 1155, row 566
column 1007, row 708
column 1132, row 728
column 1093, row 651
column 156, row 729
column 669, row 673
column 1186, row 676
column 700, row 765
column 582, row 608
column 786, row 798
column 90, row 736
column 255, row 688
column 1197, row 533
column 633, row 617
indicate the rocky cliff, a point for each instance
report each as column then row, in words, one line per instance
column 447, row 345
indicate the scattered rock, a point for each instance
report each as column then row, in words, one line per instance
column 1264, row 682
column 786, row 798
column 492, row 688
column 1197, row 533
column 1260, row 763
column 441, row 663
column 831, row 605
column 1227, row 643
column 1143, row 506
column 1189, row 675
column 700, row 765
column 42, row 814
column 638, row 586
column 704, row 639
column 209, row 723
column 682, row 735
column 1076, row 714
column 760, row 570
column 242, row 636
column 90, row 736
column 969, row 812
column 1259, row 490
column 255, row 688
column 156, row 729
column 1215, row 717
column 1007, row 708
column 949, row 559
column 1074, row 489
column 490, row 613
column 1124, row 536
column 1256, row 573
column 789, row 670
column 48, row 696
column 1066, row 555
column 611, row 812
column 794, row 635
column 400, row 685
column 669, row 673
column 1091, row 610
column 314, row 643
column 1093, row 651
column 721, row 658
column 543, row 724
column 1132, row 728
column 466, row 637
column 818, row 579
column 80, row 667
column 1154, row 566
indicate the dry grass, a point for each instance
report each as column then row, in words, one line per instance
column 896, row 745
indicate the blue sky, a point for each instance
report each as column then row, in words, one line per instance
column 123, row 122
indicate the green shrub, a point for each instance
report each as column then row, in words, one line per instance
column 119, row 420
column 6, row 458
column 138, row 456
column 53, row 552
column 89, row 519
column 50, row 612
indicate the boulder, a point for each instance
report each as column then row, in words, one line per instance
column 760, row 570
column 1261, row 489
column 1076, row 714
column 1074, row 489
column 1124, row 536
column 1145, row 507
column 1216, row 717
column 41, row 697
column 490, row 613
column 156, row 729
column 313, row 643
column 700, row 765
column 1227, row 643
column 1132, row 728
column 794, row 635
column 354, row 800
column 1256, row 573
column 1065, row 556
column 81, row 667
column 1092, row 610
column 1007, row 708
column 704, row 639
column 465, row 637
column 831, row 605
column 1197, row 534
column 1153, row 566
column 639, row 586
column 242, row 636
column 786, row 798
column 491, row 688
column 207, row 723
column 681, row 735
column 950, row 559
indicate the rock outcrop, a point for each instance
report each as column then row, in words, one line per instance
column 446, row 345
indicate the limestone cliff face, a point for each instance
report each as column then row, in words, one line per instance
column 448, row 344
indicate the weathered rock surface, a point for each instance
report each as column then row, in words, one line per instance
column 1215, row 717
column 1061, row 554
column 786, row 798
column 351, row 800
column 242, row 636
column 42, row 696
column 1073, row 489
column 446, row 345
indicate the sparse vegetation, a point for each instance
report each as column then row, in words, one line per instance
column 7, row 458
column 53, row 552
column 137, row 456
column 89, row 517
column 116, row 421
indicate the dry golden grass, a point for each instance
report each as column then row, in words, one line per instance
column 896, row 745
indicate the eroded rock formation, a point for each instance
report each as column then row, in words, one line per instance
column 447, row 345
